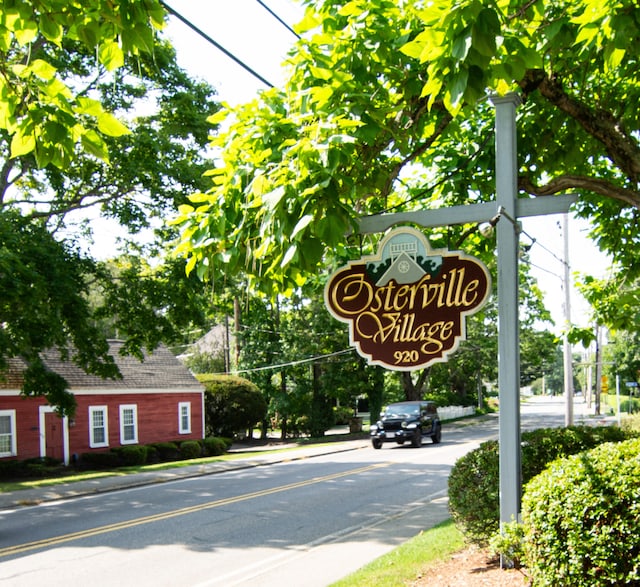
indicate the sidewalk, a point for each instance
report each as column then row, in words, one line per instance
column 26, row 497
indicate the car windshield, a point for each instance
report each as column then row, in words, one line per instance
column 401, row 411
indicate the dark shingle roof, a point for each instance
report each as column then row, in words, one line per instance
column 159, row 370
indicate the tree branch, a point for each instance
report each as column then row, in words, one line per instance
column 578, row 182
column 420, row 149
column 621, row 147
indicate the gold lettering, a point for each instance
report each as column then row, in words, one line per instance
column 447, row 328
column 431, row 292
column 348, row 289
column 472, row 286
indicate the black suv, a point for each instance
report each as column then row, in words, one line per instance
column 407, row 421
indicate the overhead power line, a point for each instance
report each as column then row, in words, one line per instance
column 282, row 22
column 217, row 45
column 293, row 363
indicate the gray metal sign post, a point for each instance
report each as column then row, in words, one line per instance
column 508, row 208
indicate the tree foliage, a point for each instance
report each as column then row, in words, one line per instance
column 385, row 109
column 94, row 114
column 41, row 110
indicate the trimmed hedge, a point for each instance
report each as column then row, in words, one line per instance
column 215, row 446
column 121, row 456
column 190, row 449
column 30, row 468
column 135, row 454
column 474, row 482
column 582, row 519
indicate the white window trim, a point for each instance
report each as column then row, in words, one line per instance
column 105, row 412
column 14, row 440
column 181, row 428
column 134, row 409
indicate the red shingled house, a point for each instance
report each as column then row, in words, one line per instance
column 156, row 400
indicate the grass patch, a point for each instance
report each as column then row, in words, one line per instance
column 407, row 562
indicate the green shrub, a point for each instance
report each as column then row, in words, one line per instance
column 508, row 543
column 215, row 446
column 190, row 449
column 581, row 519
column 152, row 454
column 11, row 469
column 132, row 455
column 342, row 414
column 99, row 460
column 630, row 423
column 232, row 405
column 167, row 451
column 474, row 482
column 474, row 486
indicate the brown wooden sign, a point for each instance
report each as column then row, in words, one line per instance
column 406, row 306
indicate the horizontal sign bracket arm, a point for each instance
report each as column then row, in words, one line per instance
column 482, row 212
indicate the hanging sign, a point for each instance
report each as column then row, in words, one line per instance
column 406, row 306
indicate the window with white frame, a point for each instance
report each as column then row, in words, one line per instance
column 8, row 443
column 129, row 424
column 184, row 417
column 98, row 427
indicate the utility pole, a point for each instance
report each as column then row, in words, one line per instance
column 568, row 369
column 598, row 369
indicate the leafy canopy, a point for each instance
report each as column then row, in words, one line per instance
column 39, row 107
column 69, row 73
column 385, row 110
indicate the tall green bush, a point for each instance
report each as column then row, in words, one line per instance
column 582, row 519
column 474, row 482
column 232, row 405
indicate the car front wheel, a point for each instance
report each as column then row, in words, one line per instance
column 437, row 435
column 377, row 443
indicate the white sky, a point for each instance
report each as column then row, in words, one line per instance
column 247, row 30
column 547, row 255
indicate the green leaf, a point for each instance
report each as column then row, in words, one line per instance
column 89, row 106
column 93, row 144
column 22, row 144
column 111, row 126
column 42, row 69
column 50, row 29
column 289, row 255
column 111, row 55
column 310, row 21
column 301, row 225
column 26, row 33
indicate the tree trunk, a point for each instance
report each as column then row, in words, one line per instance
column 413, row 391
column 376, row 391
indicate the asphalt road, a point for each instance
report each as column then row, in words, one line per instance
column 304, row 522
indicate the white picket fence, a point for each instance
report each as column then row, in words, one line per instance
column 453, row 412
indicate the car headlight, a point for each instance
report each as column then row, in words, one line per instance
column 411, row 426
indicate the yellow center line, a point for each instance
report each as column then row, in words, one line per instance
column 21, row 548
